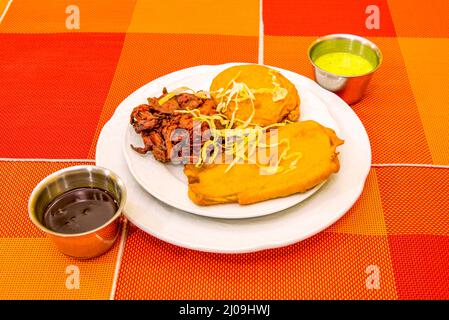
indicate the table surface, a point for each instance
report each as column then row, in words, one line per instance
column 60, row 85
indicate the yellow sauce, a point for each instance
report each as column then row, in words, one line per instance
column 344, row 64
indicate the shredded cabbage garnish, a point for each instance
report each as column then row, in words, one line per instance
column 248, row 141
column 248, row 137
column 200, row 94
column 279, row 93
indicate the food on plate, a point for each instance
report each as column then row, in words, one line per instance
column 306, row 157
column 241, row 97
column 240, row 141
column 157, row 120
column 255, row 94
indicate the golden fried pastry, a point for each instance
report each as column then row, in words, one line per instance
column 309, row 158
column 256, row 94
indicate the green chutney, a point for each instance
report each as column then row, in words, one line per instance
column 344, row 64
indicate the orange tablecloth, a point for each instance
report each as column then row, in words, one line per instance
column 58, row 88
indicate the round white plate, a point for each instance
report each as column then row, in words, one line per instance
column 246, row 235
column 169, row 184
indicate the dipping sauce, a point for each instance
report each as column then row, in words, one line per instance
column 79, row 210
column 344, row 64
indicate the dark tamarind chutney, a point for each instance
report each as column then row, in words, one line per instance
column 79, row 210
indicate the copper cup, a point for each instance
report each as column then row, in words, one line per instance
column 350, row 88
column 88, row 244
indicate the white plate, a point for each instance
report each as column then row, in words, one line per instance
column 246, row 235
column 168, row 182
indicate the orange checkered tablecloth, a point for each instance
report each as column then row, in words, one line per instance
column 60, row 83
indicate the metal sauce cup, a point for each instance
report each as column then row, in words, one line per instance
column 350, row 88
column 87, row 244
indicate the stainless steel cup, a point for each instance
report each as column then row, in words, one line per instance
column 350, row 88
column 87, row 244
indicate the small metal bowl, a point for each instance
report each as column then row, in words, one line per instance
column 88, row 244
column 350, row 88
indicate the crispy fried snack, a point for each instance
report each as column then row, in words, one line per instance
column 276, row 98
column 156, row 122
column 310, row 159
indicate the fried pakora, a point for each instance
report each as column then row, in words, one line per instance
column 309, row 158
column 256, row 94
column 156, row 122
